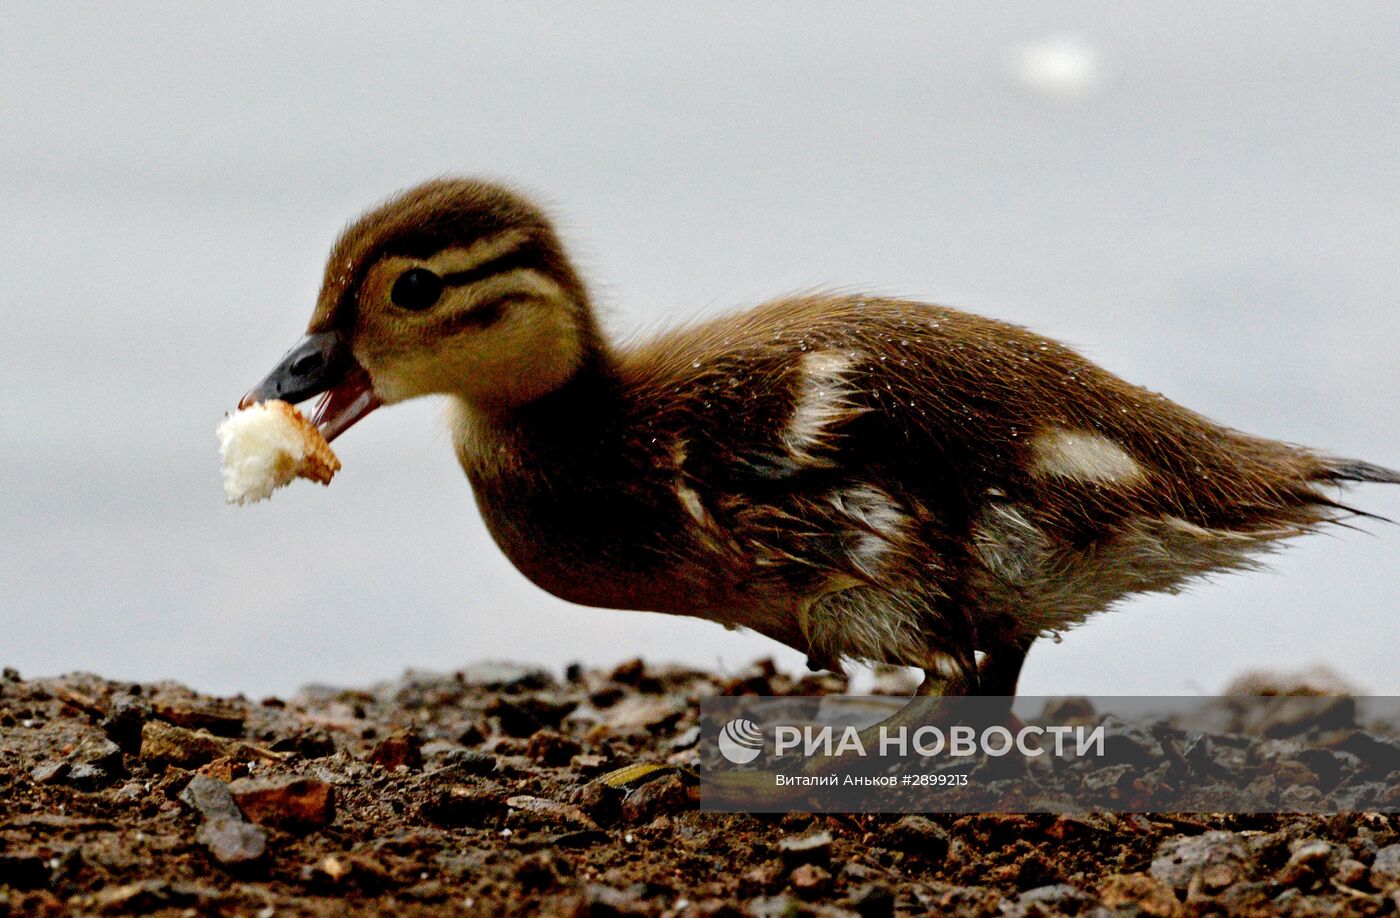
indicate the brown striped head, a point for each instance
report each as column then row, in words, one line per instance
column 457, row 287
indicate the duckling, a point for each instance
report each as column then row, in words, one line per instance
column 860, row 478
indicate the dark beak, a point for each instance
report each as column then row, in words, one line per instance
column 321, row 364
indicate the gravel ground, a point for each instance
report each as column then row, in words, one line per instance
column 470, row 793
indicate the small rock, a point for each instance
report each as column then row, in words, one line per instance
column 540, row 811
column 629, row 672
column 874, row 900
column 1351, row 872
column 602, row 802
column 1058, row 898
column 917, row 835
column 761, row 879
column 220, row 721
column 327, row 872
column 549, row 747
column 23, row 871
column 49, row 773
column 642, row 712
column 225, row 768
column 810, row 881
column 94, row 764
column 162, row 743
column 1180, row 859
column 467, row 762
column 779, row 906
column 668, row 794
column 472, row 735
column 1385, row 868
column 210, row 798
column 513, row 719
column 292, row 804
column 400, row 750
column 125, row 716
column 686, row 738
column 1129, row 744
column 599, row 901
column 806, row 849
column 463, row 805
column 426, row 891
column 307, row 743
column 85, row 777
column 1211, row 880
column 502, row 675
column 1140, row 893
column 588, row 764
column 537, row 871
column 141, row 898
column 1312, row 862
column 232, row 841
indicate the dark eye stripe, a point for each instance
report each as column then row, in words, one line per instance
column 521, row 257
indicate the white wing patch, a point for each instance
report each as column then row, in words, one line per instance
column 880, row 523
column 1082, row 455
column 823, row 397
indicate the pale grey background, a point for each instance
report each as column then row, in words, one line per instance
column 1217, row 217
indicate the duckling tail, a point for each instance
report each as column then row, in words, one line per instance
column 1336, row 471
column 1356, row 470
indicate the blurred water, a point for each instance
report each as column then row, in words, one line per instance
column 1214, row 214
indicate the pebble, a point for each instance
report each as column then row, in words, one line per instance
column 873, row 900
column 1312, row 862
column 293, row 804
column 49, row 773
column 162, row 743
column 23, row 871
column 810, row 881
column 224, row 768
column 1385, row 867
column 552, row 748
column 600, row 801
column 466, row 762
column 513, row 719
column 210, row 798
column 1178, row 860
column 806, row 849
column 1351, row 872
column 125, row 716
column 402, row 750
column 93, row 765
column 1058, row 898
column 917, row 835
column 668, row 794
column 541, row 811
column 503, row 675
column 462, row 805
column 599, row 901
column 1139, row 893
column 232, row 841
column 218, row 721
column 307, row 743
column 145, row 897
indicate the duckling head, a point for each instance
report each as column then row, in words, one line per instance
column 455, row 287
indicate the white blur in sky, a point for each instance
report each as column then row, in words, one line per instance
column 1203, row 198
column 1056, row 65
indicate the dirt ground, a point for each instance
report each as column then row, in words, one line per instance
column 471, row 793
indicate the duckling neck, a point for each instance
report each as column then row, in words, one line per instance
column 563, row 489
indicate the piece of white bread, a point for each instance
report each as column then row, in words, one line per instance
column 266, row 446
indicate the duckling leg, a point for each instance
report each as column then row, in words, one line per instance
column 995, row 675
column 1000, row 669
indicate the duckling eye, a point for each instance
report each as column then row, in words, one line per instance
column 416, row 289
